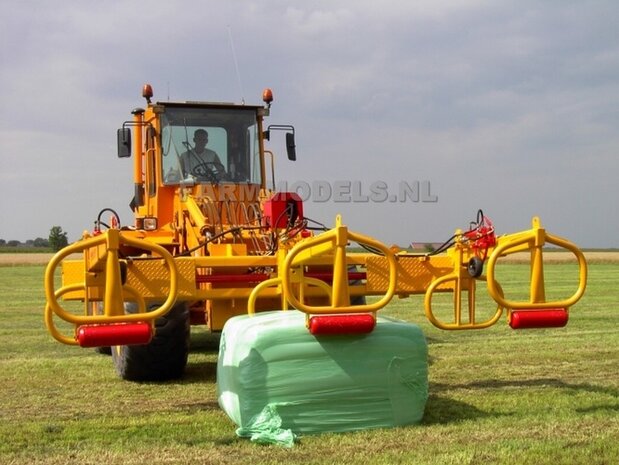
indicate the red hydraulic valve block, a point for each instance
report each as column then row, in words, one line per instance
column 283, row 210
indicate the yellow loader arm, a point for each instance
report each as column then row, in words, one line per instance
column 404, row 274
column 312, row 275
column 536, row 312
column 101, row 253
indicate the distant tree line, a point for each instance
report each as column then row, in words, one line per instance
column 56, row 240
column 38, row 242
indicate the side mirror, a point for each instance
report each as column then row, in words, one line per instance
column 291, row 147
column 123, row 140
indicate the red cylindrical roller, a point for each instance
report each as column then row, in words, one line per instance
column 543, row 318
column 342, row 324
column 120, row 334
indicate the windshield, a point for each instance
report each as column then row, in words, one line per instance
column 210, row 145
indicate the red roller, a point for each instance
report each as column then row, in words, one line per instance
column 543, row 318
column 121, row 334
column 342, row 324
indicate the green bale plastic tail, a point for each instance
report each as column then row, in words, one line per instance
column 265, row 428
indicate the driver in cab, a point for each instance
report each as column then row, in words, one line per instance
column 201, row 162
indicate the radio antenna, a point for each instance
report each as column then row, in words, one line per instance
column 236, row 64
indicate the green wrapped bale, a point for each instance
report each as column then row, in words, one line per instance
column 275, row 379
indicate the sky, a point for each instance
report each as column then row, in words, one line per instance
column 507, row 106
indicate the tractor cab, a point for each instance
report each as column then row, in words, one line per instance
column 199, row 168
column 210, row 144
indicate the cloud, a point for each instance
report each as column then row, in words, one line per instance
column 507, row 106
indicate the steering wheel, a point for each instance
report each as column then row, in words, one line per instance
column 211, row 171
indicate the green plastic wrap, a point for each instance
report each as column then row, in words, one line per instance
column 276, row 380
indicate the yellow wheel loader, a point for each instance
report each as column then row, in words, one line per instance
column 213, row 239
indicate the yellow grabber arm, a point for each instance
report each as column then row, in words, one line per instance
column 534, row 313
column 293, row 282
column 114, row 324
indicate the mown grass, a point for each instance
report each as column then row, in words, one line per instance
column 496, row 396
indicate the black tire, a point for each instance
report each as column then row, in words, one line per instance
column 106, row 350
column 165, row 357
column 358, row 299
column 475, row 267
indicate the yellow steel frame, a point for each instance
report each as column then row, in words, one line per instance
column 115, row 292
column 533, row 240
column 97, row 278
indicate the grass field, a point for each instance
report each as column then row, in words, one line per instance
column 496, row 396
